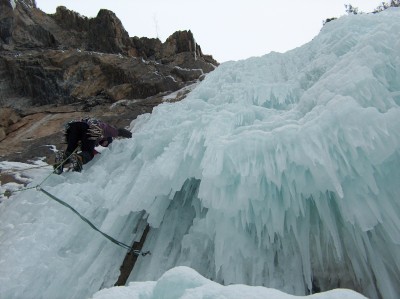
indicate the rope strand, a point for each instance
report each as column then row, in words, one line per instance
column 87, row 221
column 84, row 219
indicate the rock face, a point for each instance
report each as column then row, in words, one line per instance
column 63, row 65
column 8, row 117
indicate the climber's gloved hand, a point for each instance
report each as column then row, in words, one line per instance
column 124, row 133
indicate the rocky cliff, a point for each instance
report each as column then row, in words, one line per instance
column 54, row 67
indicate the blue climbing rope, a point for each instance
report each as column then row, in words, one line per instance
column 84, row 219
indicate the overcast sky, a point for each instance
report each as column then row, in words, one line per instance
column 225, row 29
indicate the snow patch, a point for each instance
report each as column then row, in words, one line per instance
column 15, row 176
column 12, row 2
column 174, row 95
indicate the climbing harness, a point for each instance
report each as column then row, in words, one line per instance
column 84, row 219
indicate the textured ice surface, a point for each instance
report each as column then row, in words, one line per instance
column 281, row 171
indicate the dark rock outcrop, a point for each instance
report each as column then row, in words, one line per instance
column 6, row 21
column 64, row 77
column 63, row 65
column 148, row 48
column 106, row 34
column 65, row 57
column 70, row 20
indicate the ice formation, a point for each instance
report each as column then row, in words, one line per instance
column 185, row 283
column 280, row 171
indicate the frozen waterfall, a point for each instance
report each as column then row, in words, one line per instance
column 280, row 171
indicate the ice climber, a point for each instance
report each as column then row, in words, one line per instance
column 86, row 133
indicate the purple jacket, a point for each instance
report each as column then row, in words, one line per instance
column 108, row 131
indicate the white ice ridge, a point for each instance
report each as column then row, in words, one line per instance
column 280, row 171
column 185, row 283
